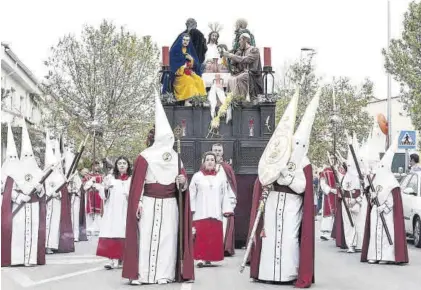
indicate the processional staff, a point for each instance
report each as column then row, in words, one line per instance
column 178, row 131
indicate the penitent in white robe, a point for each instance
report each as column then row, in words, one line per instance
column 158, row 234
column 25, row 232
column 379, row 248
column 280, row 253
column 113, row 222
column 327, row 221
column 354, row 235
column 75, row 192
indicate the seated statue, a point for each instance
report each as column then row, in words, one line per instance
column 247, row 81
column 240, row 28
column 185, row 70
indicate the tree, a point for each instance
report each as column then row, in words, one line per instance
column 350, row 102
column 103, row 82
column 403, row 61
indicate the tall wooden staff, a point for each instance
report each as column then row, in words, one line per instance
column 178, row 133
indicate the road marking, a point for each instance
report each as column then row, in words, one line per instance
column 65, row 276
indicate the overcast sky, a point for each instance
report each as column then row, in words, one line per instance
column 347, row 34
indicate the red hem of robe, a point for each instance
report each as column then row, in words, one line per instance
column 111, row 248
column 338, row 232
column 400, row 243
column 307, row 234
column 67, row 240
column 208, row 241
column 131, row 249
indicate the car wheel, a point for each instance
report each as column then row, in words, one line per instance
column 417, row 232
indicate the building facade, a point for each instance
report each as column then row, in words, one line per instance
column 21, row 99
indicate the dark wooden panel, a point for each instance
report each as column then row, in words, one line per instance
column 188, row 152
column 249, row 155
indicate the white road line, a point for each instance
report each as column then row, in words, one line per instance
column 186, row 286
column 65, row 276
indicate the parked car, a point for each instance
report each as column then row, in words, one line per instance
column 411, row 198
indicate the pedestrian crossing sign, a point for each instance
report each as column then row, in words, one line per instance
column 407, row 140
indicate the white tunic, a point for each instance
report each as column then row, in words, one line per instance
column 158, row 234
column 210, row 196
column 379, row 248
column 326, row 222
column 280, row 253
column 113, row 222
column 231, row 194
column 24, row 247
column 53, row 217
column 212, row 52
column 75, row 190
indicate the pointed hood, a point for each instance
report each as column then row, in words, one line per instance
column 68, row 158
column 30, row 173
column 301, row 139
column 56, row 178
column 57, row 154
column 278, row 150
column 351, row 180
column 11, row 164
column 161, row 157
column 49, row 158
column 384, row 180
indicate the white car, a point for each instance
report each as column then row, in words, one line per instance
column 411, row 198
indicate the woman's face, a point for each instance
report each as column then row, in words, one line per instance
column 122, row 166
column 186, row 40
column 210, row 162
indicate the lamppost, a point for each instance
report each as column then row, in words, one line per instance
column 95, row 127
column 335, row 119
column 311, row 52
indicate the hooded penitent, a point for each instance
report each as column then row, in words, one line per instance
column 351, row 180
column 161, row 157
column 30, row 173
column 10, row 166
column 56, row 179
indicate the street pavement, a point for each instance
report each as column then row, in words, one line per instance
column 335, row 270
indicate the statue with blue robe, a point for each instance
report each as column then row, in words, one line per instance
column 185, row 70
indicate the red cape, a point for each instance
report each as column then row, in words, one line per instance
column 6, row 227
column 401, row 247
column 131, row 250
column 338, row 225
column 329, row 205
column 307, row 232
column 229, row 243
column 66, row 243
column 82, row 216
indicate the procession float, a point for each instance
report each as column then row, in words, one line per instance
column 215, row 94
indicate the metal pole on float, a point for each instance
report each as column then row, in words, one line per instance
column 389, row 85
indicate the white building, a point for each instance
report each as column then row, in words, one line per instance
column 20, row 95
column 399, row 121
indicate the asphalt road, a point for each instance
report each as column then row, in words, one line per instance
column 335, row 270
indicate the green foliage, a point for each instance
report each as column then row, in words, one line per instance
column 403, row 61
column 350, row 103
column 108, row 75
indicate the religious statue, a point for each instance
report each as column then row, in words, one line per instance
column 197, row 38
column 214, row 62
column 246, row 68
column 240, row 28
column 185, row 69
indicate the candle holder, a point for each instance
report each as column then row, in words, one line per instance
column 183, row 127
column 268, row 72
column 251, row 127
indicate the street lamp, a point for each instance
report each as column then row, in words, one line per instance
column 335, row 119
column 311, row 52
column 95, row 126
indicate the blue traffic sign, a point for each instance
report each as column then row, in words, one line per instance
column 407, row 140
